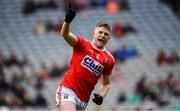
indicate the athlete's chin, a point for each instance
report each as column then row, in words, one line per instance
column 100, row 45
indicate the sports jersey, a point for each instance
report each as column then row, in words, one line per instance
column 87, row 65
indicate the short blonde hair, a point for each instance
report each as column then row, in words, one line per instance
column 104, row 24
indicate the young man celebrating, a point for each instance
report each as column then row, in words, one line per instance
column 89, row 62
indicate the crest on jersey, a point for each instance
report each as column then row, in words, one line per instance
column 105, row 61
column 92, row 65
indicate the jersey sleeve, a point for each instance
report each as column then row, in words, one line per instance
column 108, row 69
column 80, row 44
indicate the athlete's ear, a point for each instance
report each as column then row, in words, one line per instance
column 93, row 34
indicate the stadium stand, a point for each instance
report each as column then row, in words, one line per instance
column 157, row 27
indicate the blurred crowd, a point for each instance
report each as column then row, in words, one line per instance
column 45, row 26
column 164, row 59
column 121, row 29
column 174, row 5
column 31, row 6
column 158, row 91
column 21, row 84
column 112, row 6
column 125, row 52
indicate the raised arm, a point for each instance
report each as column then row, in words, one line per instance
column 69, row 37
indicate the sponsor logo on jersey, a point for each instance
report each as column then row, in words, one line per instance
column 92, row 65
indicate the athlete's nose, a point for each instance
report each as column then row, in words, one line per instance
column 103, row 36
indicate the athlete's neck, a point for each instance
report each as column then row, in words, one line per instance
column 97, row 48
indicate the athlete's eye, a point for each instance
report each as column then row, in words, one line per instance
column 100, row 32
column 106, row 34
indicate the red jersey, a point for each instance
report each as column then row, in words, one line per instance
column 87, row 65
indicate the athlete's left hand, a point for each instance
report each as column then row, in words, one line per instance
column 98, row 99
column 70, row 14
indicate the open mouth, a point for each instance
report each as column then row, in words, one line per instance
column 101, row 40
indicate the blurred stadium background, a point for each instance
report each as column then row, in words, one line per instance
column 145, row 43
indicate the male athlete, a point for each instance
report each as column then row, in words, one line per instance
column 89, row 62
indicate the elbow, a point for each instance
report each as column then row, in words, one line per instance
column 63, row 34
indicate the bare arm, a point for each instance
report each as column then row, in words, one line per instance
column 69, row 37
column 98, row 98
column 105, row 85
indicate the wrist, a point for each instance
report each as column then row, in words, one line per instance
column 100, row 95
column 98, row 99
column 67, row 20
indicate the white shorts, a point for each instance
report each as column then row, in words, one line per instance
column 66, row 94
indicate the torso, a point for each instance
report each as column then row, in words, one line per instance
column 87, row 66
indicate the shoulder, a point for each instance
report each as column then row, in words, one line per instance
column 110, row 56
column 82, row 39
column 82, row 43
